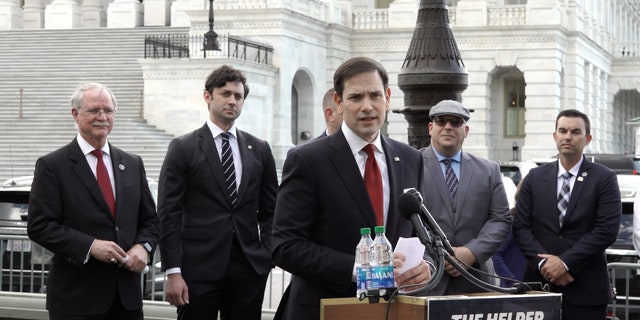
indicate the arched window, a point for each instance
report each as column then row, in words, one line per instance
column 514, row 107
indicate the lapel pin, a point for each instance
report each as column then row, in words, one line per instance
column 580, row 178
column 396, row 159
column 121, row 166
column 250, row 147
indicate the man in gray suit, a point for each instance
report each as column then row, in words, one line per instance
column 465, row 196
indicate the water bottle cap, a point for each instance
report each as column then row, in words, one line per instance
column 364, row 231
column 379, row 229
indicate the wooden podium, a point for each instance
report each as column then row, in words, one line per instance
column 479, row 306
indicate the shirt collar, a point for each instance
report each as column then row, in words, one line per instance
column 86, row 147
column 356, row 143
column 216, row 131
column 574, row 171
column 456, row 157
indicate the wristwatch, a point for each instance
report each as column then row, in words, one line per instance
column 147, row 247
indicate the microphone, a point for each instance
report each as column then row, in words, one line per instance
column 431, row 222
column 410, row 209
column 408, row 203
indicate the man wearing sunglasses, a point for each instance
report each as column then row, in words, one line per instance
column 465, row 195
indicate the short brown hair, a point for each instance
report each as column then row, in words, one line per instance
column 223, row 74
column 355, row 66
column 573, row 113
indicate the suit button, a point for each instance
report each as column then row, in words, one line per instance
column 117, row 229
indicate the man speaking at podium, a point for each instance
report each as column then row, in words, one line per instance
column 324, row 201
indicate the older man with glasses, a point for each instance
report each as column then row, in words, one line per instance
column 466, row 196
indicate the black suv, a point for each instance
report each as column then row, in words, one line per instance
column 25, row 264
column 619, row 163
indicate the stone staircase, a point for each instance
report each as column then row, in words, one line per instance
column 39, row 69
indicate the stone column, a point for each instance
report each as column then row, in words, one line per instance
column 157, row 12
column 10, row 15
column 124, row 14
column 62, row 14
column 33, row 14
column 93, row 15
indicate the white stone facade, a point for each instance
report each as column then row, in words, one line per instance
column 571, row 53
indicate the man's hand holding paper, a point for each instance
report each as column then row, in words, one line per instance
column 408, row 263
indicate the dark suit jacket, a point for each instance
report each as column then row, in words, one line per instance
column 67, row 211
column 479, row 219
column 197, row 220
column 322, row 204
column 590, row 226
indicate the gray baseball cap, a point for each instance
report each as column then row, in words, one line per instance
column 449, row 107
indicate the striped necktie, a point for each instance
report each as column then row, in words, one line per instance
column 563, row 197
column 450, row 177
column 229, row 169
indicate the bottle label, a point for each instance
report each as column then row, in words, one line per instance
column 382, row 277
column 362, row 277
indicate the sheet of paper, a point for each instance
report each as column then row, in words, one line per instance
column 413, row 249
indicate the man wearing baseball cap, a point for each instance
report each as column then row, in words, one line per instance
column 466, row 196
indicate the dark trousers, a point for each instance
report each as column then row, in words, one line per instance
column 237, row 296
column 115, row 312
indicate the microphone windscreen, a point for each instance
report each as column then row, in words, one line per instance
column 408, row 205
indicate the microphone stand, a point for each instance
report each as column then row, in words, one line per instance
column 435, row 247
column 437, row 243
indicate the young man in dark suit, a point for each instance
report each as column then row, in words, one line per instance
column 217, row 193
column 567, row 214
column 91, row 206
column 323, row 199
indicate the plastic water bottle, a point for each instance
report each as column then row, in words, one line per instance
column 363, row 263
column 382, row 263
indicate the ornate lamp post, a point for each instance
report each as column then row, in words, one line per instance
column 432, row 69
column 211, row 37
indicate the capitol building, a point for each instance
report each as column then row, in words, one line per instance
column 526, row 60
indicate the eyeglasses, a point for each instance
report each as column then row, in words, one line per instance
column 96, row 112
column 455, row 122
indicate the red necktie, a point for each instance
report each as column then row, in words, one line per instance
column 105, row 182
column 373, row 182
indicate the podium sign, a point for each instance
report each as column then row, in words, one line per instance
column 501, row 307
column 482, row 306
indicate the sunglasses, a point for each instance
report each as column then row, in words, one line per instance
column 455, row 122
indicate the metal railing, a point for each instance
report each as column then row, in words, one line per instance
column 191, row 46
column 25, row 267
column 625, row 282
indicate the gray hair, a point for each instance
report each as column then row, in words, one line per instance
column 78, row 95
